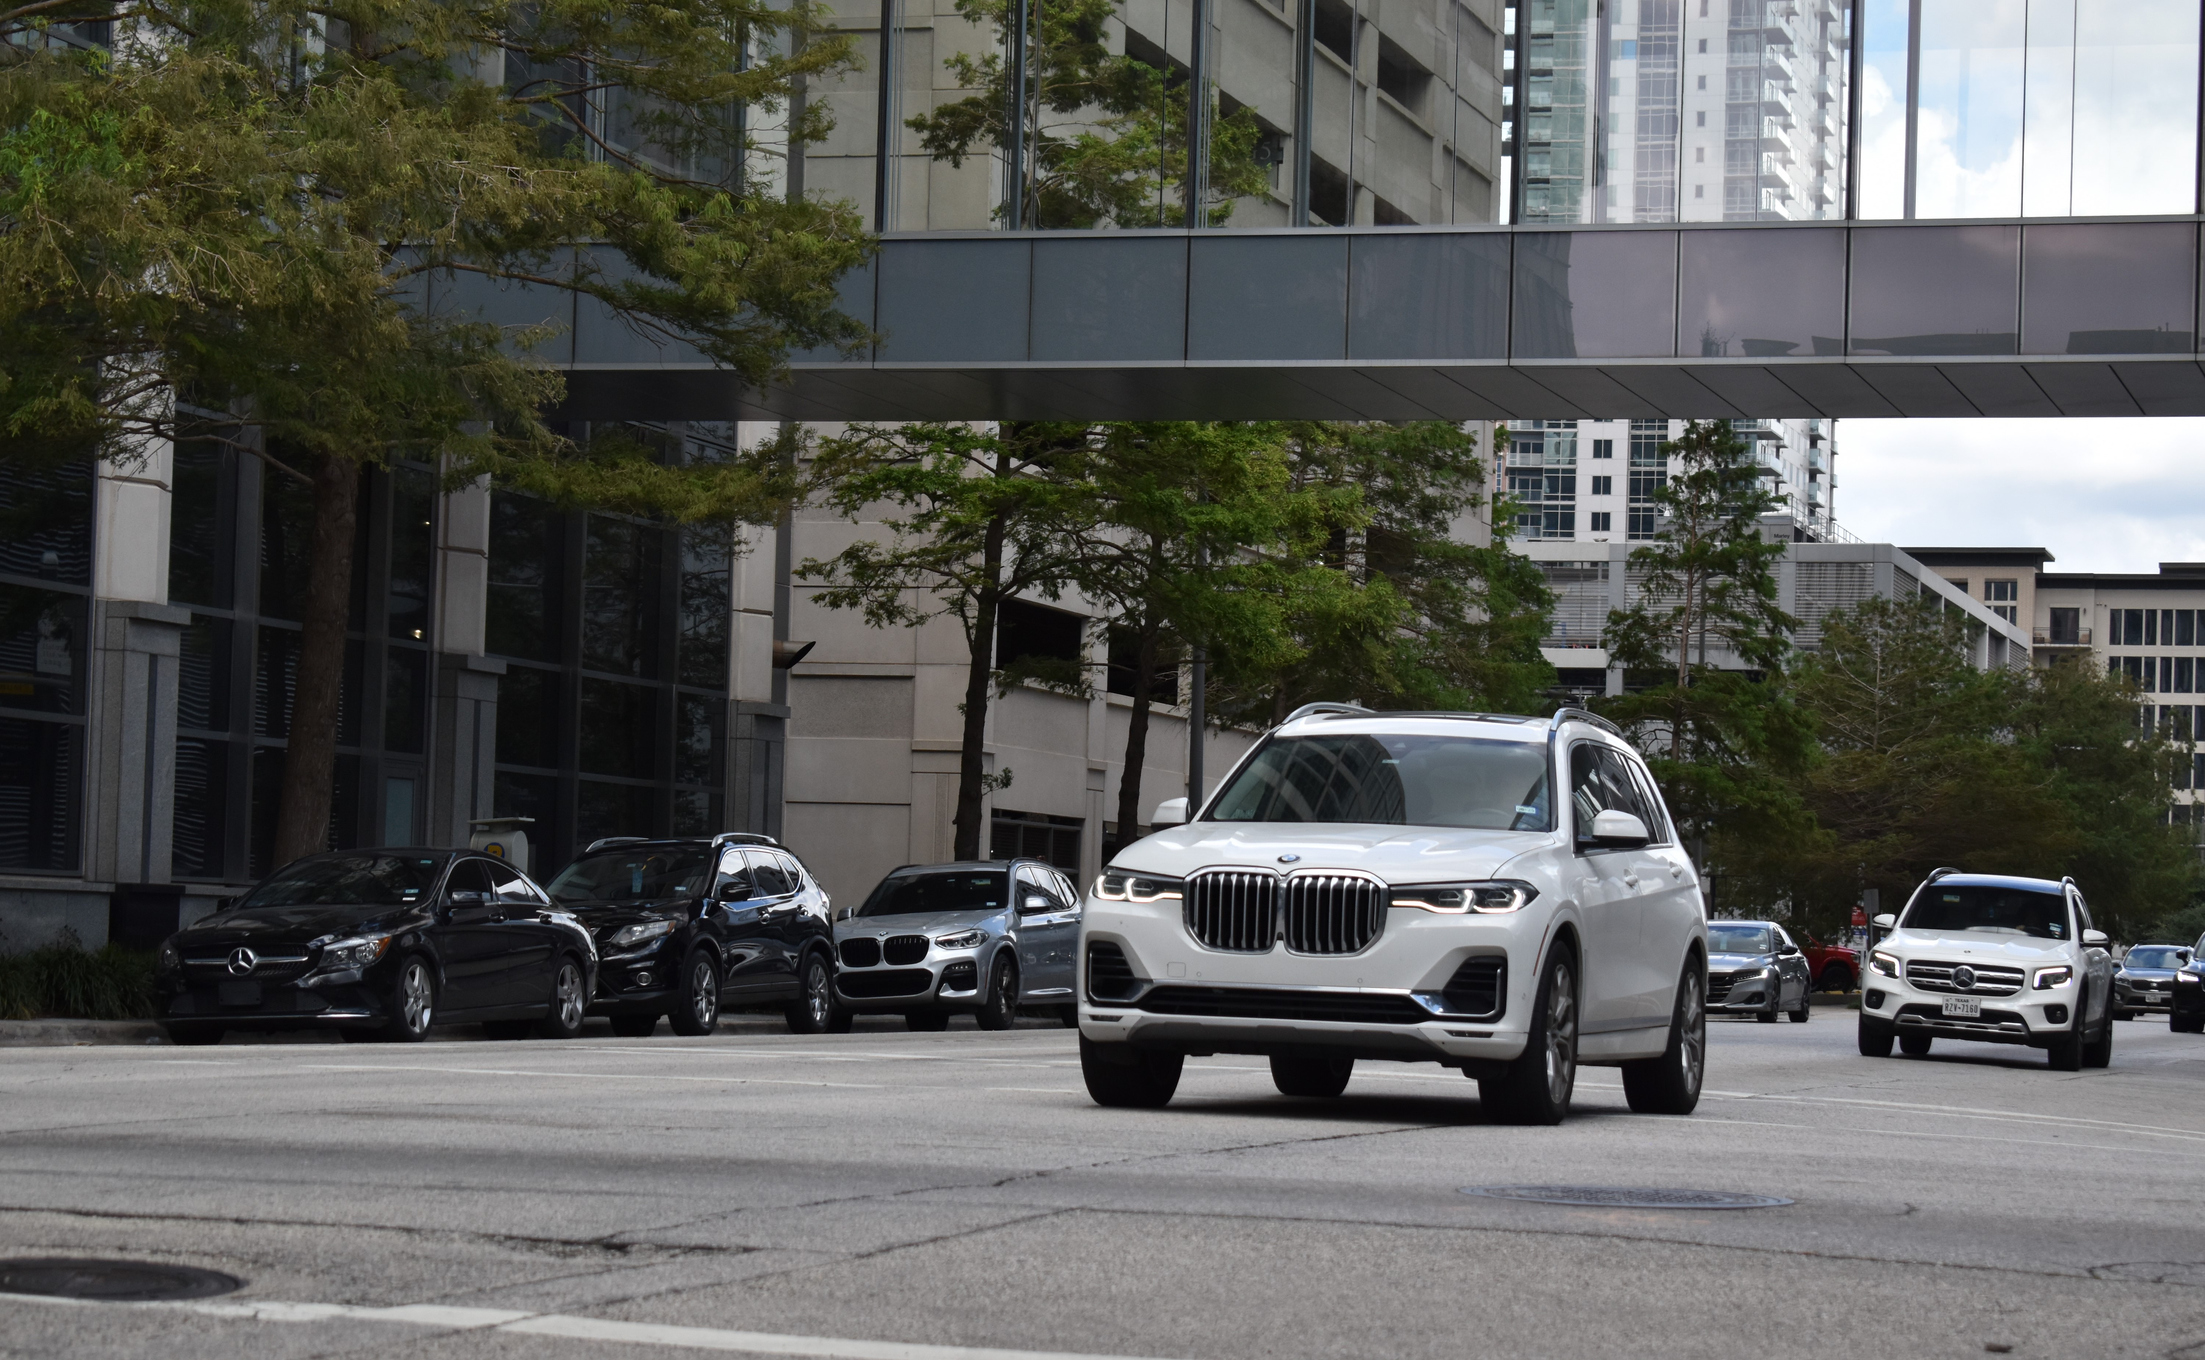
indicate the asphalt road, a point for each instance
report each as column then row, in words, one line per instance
column 881, row 1194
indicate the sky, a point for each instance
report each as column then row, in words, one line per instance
column 2103, row 495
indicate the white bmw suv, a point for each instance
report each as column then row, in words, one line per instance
column 1407, row 887
column 1995, row 959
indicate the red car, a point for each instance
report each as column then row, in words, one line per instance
column 1835, row 967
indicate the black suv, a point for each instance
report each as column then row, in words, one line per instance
column 687, row 924
column 380, row 944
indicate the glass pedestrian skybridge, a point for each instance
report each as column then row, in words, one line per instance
column 2041, row 317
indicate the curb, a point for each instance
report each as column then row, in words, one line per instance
column 62, row 1033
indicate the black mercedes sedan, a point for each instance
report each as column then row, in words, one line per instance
column 688, row 924
column 380, row 944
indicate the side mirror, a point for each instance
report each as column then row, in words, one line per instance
column 734, row 892
column 467, row 897
column 2095, row 939
column 1170, row 812
column 1788, row 951
column 1033, row 904
column 1618, row 828
column 1887, row 921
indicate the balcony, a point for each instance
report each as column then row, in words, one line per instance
column 2064, row 637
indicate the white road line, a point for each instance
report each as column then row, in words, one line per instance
column 583, row 1329
column 590, row 1076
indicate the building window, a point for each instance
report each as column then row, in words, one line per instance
column 1036, row 835
column 1649, row 472
column 1602, row 522
column 1603, row 486
column 2185, row 627
column 1125, row 665
column 1033, row 640
column 1603, row 448
column 2066, row 627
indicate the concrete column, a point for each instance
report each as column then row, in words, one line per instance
column 757, row 725
column 131, row 762
column 461, row 608
column 463, row 743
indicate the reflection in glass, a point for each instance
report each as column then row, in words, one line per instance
column 1936, row 290
column 1881, row 185
column 41, row 650
column 521, row 610
column 405, row 692
column 2136, row 92
column 38, row 766
column 1968, row 138
column 1595, row 295
column 603, row 809
column 412, row 501
column 2048, row 134
column 697, row 739
column 203, row 675
column 617, row 728
column 1419, row 295
column 528, row 717
column 1761, row 293
column 200, row 830
column 619, row 596
column 706, row 601
column 2122, row 288
column 200, row 537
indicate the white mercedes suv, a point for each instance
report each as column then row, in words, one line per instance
column 1406, row 887
column 1991, row 958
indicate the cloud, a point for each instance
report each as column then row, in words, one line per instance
column 2103, row 495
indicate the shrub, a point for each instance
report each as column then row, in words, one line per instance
column 65, row 979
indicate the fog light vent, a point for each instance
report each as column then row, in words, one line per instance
column 1874, row 1000
column 2055, row 1015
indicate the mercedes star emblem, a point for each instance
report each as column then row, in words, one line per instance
column 242, row 961
column 1289, row 859
column 1963, row 977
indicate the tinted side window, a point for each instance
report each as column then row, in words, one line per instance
column 793, row 868
column 2082, row 916
column 768, row 875
column 1066, row 893
column 1624, row 788
column 469, row 875
column 1657, row 816
column 1599, row 783
column 734, row 879
column 510, row 886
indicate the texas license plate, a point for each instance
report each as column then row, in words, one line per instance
column 1967, row 1006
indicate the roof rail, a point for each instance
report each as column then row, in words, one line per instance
column 607, row 842
column 1945, row 871
column 745, row 838
column 1312, row 710
column 1563, row 715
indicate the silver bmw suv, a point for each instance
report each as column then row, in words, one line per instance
column 1501, row 895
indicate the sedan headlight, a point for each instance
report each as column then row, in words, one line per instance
column 963, row 939
column 627, row 937
column 170, row 959
column 1118, row 886
column 357, row 951
column 1494, row 898
column 1886, row 964
column 2048, row 978
column 1749, row 975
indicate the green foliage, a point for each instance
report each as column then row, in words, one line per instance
column 1106, row 132
column 2186, row 926
column 63, row 979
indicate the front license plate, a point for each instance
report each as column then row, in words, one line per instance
column 1968, row 1007
column 238, row 993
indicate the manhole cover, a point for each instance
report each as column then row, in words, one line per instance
column 112, row 1281
column 1626, row 1196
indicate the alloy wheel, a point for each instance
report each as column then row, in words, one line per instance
column 817, row 988
column 570, row 999
column 1692, row 1043
column 704, row 998
column 416, row 1004
column 1562, row 1035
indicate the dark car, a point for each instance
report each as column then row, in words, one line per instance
column 689, row 924
column 380, row 944
column 1753, row 968
column 2186, row 1011
column 992, row 937
column 2145, row 979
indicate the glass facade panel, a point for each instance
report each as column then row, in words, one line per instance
column 1419, row 296
column 41, row 650
column 939, row 301
column 1936, row 290
column 617, row 728
column 2123, row 288
column 202, row 535
column 706, row 601
column 200, row 836
column 1267, row 299
column 46, row 523
column 1596, row 296
column 1968, row 126
column 620, row 566
column 1110, row 297
column 2135, row 100
column 412, row 507
column 38, row 795
column 1764, row 294
column 522, row 607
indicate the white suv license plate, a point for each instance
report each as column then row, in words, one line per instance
column 1968, row 1007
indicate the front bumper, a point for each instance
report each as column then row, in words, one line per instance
column 2029, row 1016
column 1757, row 996
column 644, row 982
column 266, row 1006
column 944, row 979
column 2129, row 998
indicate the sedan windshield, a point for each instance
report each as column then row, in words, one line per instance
column 1732, row 939
column 2154, row 956
column 925, row 894
column 363, row 880
column 1395, row 780
column 635, row 876
column 1993, row 910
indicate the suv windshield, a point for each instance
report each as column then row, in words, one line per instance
column 364, row 880
column 1722, row 939
column 1978, row 906
column 2153, row 956
column 924, row 894
column 636, row 876
column 1395, row 780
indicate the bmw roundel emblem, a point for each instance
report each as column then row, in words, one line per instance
column 1289, row 859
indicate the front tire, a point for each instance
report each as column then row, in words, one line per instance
column 2186, row 1024
column 1000, row 1010
column 412, row 1002
column 1536, row 1088
column 926, row 1022
column 1122, row 1077
column 698, row 1012
column 1875, row 1038
column 635, row 1026
column 1670, row 1084
column 1837, row 977
column 1914, row 1045
column 814, row 1012
column 569, row 1002
column 2098, row 1052
column 1317, row 1077
column 192, row 1036
column 1805, row 1008
column 2124, row 1015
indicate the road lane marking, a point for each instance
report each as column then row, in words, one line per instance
column 591, row 1076
column 572, row 1327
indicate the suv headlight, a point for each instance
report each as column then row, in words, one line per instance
column 2048, row 978
column 357, row 952
column 629, row 936
column 170, row 959
column 1118, row 886
column 1492, row 898
column 963, row 939
column 1886, row 964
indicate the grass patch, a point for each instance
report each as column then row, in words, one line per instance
column 66, row 980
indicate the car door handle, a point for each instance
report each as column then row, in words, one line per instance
column 1676, row 871
column 1630, row 880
